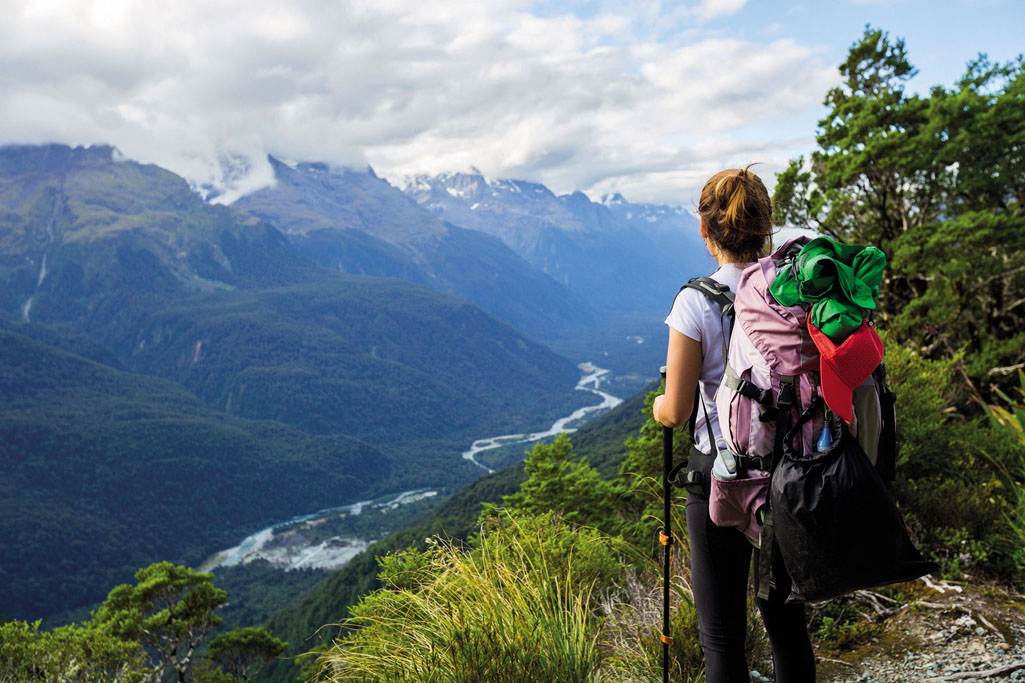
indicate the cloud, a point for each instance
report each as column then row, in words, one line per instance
column 592, row 101
column 711, row 9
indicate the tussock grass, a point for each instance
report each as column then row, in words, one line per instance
column 505, row 611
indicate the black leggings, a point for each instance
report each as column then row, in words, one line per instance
column 720, row 558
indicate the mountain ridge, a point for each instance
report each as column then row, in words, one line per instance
column 358, row 223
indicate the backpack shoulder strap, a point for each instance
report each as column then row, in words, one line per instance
column 721, row 295
column 716, row 291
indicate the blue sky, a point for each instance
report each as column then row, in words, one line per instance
column 645, row 97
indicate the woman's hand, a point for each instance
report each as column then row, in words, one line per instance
column 656, row 406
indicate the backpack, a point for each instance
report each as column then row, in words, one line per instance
column 772, row 369
column 770, row 412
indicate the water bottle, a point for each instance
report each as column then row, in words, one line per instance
column 825, row 440
column 725, row 466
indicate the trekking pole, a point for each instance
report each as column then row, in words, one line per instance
column 666, row 539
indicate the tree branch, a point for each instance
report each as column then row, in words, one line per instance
column 999, row 671
column 1006, row 370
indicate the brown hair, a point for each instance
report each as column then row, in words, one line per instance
column 738, row 213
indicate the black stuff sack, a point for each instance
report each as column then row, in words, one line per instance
column 836, row 524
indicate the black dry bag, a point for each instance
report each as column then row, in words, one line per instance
column 835, row 522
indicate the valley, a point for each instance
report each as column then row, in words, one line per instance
column 167, row 362
column 591, row 382
column 327, row 539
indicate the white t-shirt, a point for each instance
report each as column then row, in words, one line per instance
column 695, row 316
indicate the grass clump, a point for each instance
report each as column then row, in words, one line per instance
column 514, row 606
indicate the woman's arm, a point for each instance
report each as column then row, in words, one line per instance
column 683, row 366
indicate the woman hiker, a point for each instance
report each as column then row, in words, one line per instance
column 736, row 224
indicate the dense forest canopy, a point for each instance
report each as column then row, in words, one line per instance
column 938, row 182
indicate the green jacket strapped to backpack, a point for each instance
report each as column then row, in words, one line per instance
column 842, row 279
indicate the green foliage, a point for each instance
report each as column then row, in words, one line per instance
column 1009, row 419
column 559, row 485
column 505, row 610
column 947, row 488
column 841, row 624
column 170, row 610
column 146, row 632
column 844, row 635
column 244, row 650
column 934, row 181
column 73, row 654
column 639, row 486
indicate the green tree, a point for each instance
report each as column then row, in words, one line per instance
column 872, row 177
column 71, row 653
column 170, row 610
column 244, row 650
column 936, row 182
column 556, row 483
column 638, row 489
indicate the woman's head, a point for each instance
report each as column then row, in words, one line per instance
column 736, row 214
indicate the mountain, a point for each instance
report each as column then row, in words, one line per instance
column 159, row 354
column 106, row 471
column 374, row 358
column 217, row 300
column 356, row 222
column 81, row 230
column 618, row 264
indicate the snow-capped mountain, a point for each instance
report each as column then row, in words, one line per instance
column 354, row 221
column 617, row 255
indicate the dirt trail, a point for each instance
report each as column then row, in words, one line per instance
column 948, row 632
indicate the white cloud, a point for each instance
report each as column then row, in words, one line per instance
column 593, row 103
column 711, row 9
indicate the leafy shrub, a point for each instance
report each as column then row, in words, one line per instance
column 946, row 486
column 1009, row 459
column 555, row 483
column 69, row 653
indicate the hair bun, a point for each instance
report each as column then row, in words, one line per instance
column 737, row 212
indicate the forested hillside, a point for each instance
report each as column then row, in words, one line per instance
column 272, row 369
column 106, row 470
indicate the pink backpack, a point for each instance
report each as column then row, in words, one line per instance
column 839, row 529
column 771, row 377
